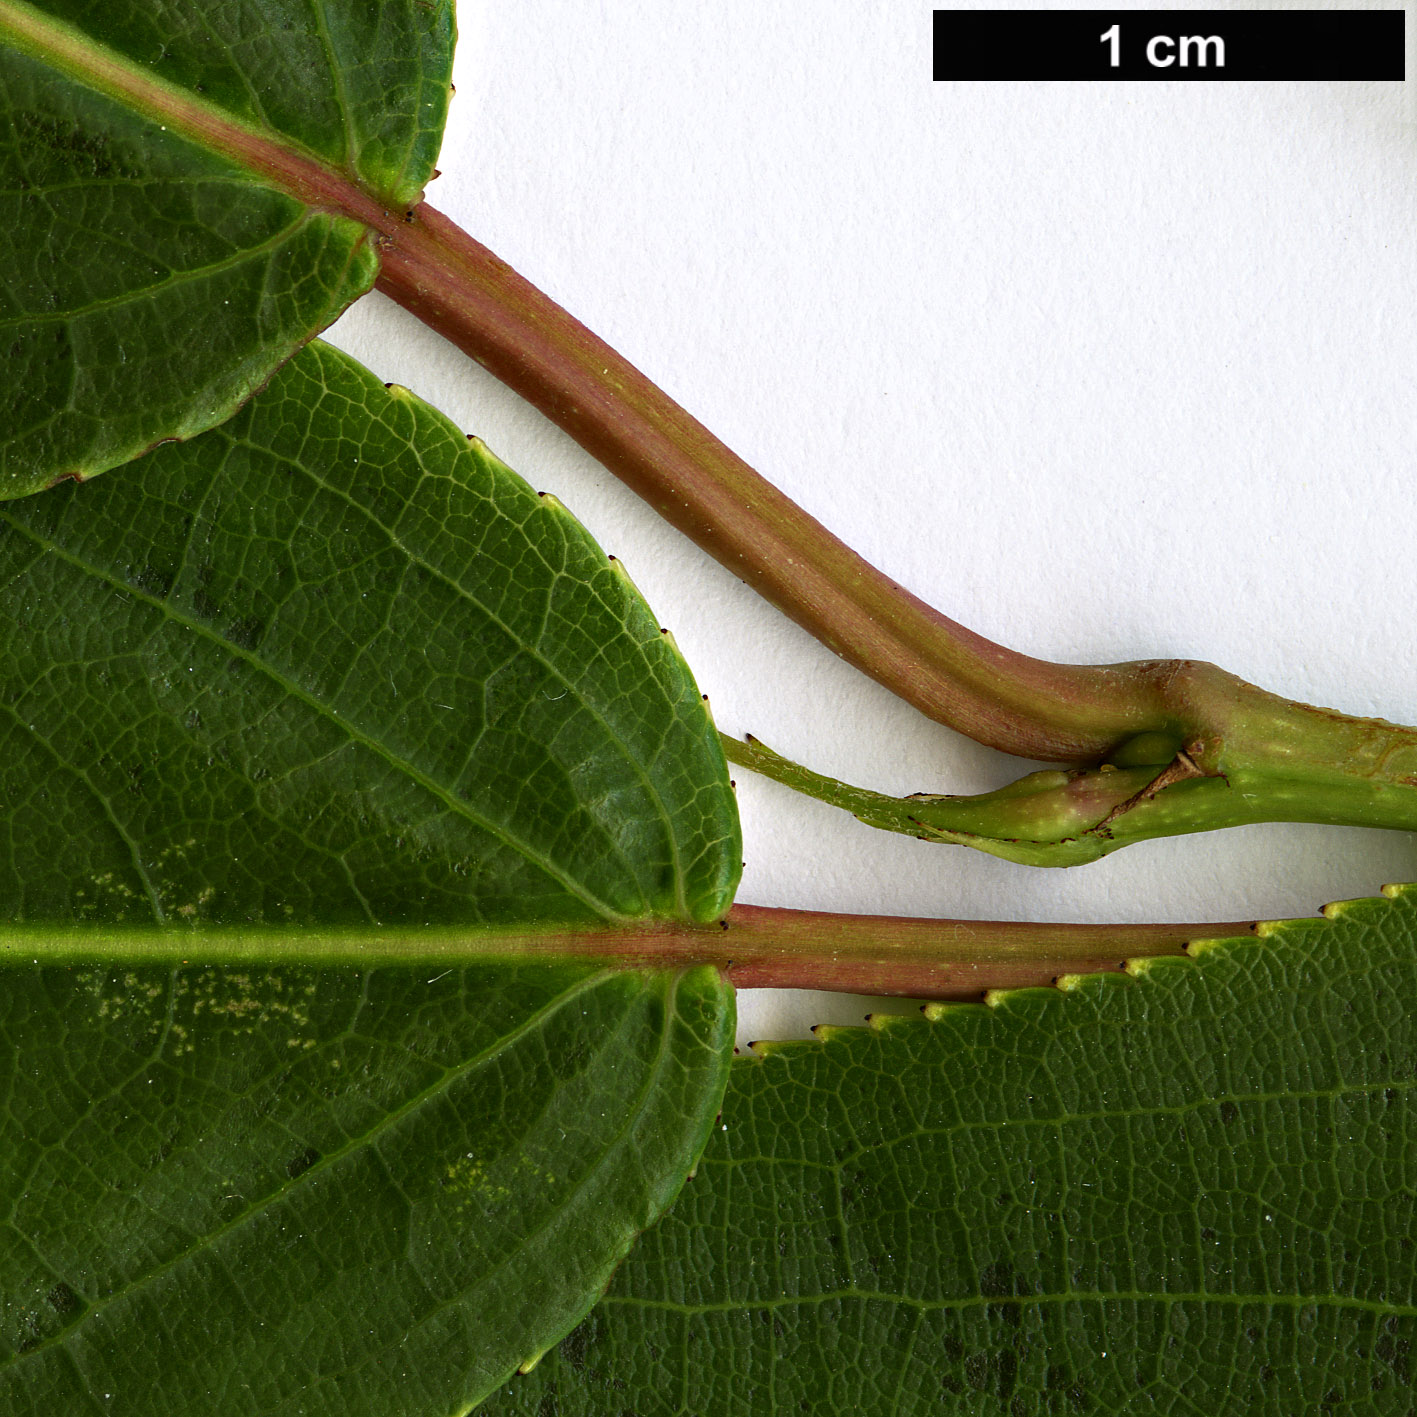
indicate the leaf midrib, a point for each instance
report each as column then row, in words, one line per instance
column 280, row 159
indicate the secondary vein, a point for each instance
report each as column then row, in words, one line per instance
column 380, row 750
column 390, row 1119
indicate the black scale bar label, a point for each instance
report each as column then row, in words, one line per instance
column 1169, row 45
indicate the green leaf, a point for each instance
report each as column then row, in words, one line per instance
column 287, row 1191
column 158, row 267
column 332, row 663
column 330, row 683
column 1189, row 1191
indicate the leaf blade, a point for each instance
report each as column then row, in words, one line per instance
column 1192, row 1190
column 329, row 694
column 213, row 1219
column 363, row 89
column 152, row 290
column 361, row 675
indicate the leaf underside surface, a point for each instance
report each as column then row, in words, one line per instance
column 295, row 1193
column 151, row 280
column 1186, row 1192
column 332, row 663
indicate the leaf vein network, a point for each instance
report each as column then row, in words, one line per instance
column 174, row 279
column 540, row 658
column 379, row 749
column 391, row 1118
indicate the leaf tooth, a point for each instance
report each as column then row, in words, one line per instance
column 1270, row 929
column 1064, row 983
column 1196, row 948
column 618, row 567
column 941, row 1010
column 1004, row 998
column 1140, row 966
column 1337, row 909
column 767, row 1047
column 399, row 391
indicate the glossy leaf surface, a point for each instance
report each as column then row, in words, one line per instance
column 155, row 274
column 1191, row 1191
column 284, row 1191
column 332, row 663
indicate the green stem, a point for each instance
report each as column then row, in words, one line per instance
column 1291, row 764
column 1221, row 751
column 755, row 947
column 999, row 697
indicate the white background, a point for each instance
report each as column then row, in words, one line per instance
column 1105, row 371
